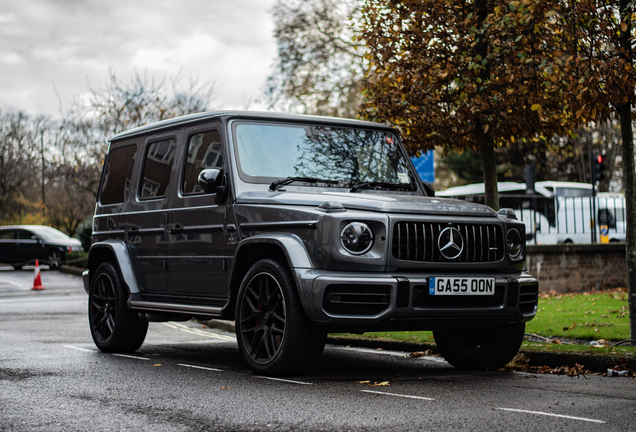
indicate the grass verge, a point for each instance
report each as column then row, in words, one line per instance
column 600, row 316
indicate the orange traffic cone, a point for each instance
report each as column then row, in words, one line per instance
column 37, row 281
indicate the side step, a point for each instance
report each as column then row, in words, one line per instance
column 175, row 307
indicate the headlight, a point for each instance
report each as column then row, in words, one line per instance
column 356, row 238
column 515, row 243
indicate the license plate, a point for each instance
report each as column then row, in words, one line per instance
column 461, row 286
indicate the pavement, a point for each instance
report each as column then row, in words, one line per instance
column 591, row 361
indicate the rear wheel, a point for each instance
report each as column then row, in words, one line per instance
column 114, row 327
column 273, row 332
column 480, row 348
column 54, row 260
column 17, row 267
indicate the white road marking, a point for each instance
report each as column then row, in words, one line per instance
column 79, row 349
column 398, row 395
column 42, row 296
column 390, row 353
column 132, row 357
column 553, row 415
column 199, row 332
column 200, row 367
column 372, row 351
column 11, row 283
column 284, row 380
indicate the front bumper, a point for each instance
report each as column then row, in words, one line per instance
column 372, row 302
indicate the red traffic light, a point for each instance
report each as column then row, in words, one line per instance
column 599, row 158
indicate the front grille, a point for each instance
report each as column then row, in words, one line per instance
column 418, row 241
column 345, row 299
column 528, row 298
column 421, row 299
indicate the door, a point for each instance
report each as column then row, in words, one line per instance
column 198, row 261
column 30, row 247
column 8, row 247
column 147, row 216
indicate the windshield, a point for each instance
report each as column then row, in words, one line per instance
column 267, row 152
column 50, row 234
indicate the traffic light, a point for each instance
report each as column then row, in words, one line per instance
column 598, row 168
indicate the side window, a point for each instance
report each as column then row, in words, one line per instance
column 204, row 151
column 117, row 175
column 25, row 235
column 6, row 235
column 157, row 169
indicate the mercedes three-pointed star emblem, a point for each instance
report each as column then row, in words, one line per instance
column 450, row 243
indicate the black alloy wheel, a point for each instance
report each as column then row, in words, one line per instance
column 263, row 317
column 102, row 308
column 54, row 260
column 114, row 327
column 273, row 332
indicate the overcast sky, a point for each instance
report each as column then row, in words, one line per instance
column 63, row 45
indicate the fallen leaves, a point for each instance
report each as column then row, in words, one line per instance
column 375, row 384
column 621, row 369
column 521, row 363
column 428, row 352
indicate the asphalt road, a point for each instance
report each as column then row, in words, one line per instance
column 189, row 378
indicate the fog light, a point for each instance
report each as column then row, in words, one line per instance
column 356, row 238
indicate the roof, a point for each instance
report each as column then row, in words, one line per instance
column 540, row 187
column 252, row 115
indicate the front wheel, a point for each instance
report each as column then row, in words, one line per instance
column 480, row 348
column 114, row 327
column 273, row 332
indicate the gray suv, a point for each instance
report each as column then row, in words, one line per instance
column 296, row 226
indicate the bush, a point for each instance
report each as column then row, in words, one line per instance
column 85, row 233
column 77, row 259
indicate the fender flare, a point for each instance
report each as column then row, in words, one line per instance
column 291, row 245
column 123, row 260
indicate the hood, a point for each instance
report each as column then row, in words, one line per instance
column 371, row 202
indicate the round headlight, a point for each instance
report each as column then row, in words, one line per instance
column 356, row 238
column 515, row 243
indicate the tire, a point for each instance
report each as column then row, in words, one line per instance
column 273, row 333
column 114, row 327
column 480, row 348
column 17, row 267
column 54, row 260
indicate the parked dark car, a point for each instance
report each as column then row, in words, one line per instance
column 296, row 226
column 22, row 244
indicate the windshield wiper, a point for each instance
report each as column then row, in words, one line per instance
column 275, row 184
column 377, row 184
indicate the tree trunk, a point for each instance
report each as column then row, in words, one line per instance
column 629, row 181
column 629, row 186
column 489, row 166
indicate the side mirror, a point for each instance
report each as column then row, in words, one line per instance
column 210, row 180
column 428, row 189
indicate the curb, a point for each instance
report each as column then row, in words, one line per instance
column 593, row 362
column 71, row 270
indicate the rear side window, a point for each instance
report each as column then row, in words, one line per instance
column 6, row 235
column 25, row 235
column 157, row 169
column 117, row 175
column 204, row 151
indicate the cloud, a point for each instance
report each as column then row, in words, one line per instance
column 68, row 43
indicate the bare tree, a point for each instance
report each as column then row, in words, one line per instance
column 320, row 65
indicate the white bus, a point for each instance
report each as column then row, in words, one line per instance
column 558, row 212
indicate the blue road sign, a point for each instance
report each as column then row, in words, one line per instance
column 425, row 166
